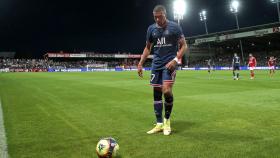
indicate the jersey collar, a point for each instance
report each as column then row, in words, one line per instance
column 167, row 21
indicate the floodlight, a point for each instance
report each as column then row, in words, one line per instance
column 179, row 7
column 202, row 15
column 234, row 6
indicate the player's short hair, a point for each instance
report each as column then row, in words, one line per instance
column 159, row 8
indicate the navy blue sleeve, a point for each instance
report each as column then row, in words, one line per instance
column 149, row 35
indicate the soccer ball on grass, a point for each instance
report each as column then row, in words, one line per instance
column 107, row 148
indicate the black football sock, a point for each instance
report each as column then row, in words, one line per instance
column 237, row 74
column 168, row 105
column 158, row 105
column 233, row 73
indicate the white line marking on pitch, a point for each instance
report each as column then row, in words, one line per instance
column 3, row 143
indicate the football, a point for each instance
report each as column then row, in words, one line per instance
column 107, row 148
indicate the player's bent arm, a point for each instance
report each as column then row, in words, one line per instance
column 183, row 47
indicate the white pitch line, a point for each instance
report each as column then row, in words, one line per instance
column 3, row 142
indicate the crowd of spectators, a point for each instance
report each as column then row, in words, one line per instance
column 124, row 63
column 23, row 63
column 32, row 64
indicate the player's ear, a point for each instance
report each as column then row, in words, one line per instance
column 165, row 16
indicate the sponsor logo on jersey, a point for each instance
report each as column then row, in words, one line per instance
column 161, row 42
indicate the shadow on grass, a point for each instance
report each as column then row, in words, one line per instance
column 181, row 126
column 184, row 128
column 215, row 136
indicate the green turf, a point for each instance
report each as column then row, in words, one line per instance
column 63, row 115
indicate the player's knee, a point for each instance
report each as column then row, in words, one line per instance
column 166, row 90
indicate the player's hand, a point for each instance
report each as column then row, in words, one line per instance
column 171, row 65
column 140, row 70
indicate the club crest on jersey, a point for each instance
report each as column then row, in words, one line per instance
column 166, row 32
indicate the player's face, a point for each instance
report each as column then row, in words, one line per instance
column 250, row 55
column 160, row 18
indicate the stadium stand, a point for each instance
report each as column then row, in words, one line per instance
column 262, row 41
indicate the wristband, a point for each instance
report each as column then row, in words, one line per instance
column 176, row 59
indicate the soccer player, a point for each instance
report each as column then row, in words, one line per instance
column 235, row 66
column 166, row 39
column 271, row 64
column 252, row 64
column 209, row 66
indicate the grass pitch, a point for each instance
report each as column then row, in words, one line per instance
column 63, row 115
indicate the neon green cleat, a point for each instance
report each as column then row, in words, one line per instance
column 166, row 127
column 158, row 128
